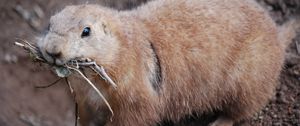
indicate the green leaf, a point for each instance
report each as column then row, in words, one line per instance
column 62, row 71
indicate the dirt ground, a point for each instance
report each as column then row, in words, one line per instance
column 23, row 105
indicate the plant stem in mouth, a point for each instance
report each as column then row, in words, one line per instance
column 94, row 87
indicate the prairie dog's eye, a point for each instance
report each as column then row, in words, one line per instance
column 86, row 32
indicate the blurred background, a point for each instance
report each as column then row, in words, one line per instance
column 23, row 105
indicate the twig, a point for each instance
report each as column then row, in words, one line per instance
column 55, row 82
column 32, row 50
column 76, row 113
column 103, row 73
column 70, row 87
column 28, row 43
column 94, row 87
column 100, row 70
column 74, row 99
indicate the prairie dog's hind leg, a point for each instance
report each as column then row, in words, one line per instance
column 222, row 121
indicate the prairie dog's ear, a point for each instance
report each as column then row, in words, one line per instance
column 109, row 28
column 106, row 29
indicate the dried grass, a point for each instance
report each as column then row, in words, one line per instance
column 65, row 70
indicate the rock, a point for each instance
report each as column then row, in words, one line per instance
column 297, row 113
column 282, row 100
column 274, row 116
column 260, row 117
column 277, row 124
column 272, row 2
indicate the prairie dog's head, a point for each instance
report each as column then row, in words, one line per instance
column 81, row 31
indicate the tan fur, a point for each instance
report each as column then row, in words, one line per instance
column 222, row 55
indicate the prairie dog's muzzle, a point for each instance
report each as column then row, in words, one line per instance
column 52, row 49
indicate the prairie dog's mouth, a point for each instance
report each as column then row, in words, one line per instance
column 74, row 64
column 54, row 59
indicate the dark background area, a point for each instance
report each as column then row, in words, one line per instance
column 23, row 105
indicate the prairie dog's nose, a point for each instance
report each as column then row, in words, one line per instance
column 53, row 54
column 53, row 51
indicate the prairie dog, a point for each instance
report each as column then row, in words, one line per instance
column 170, row 58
